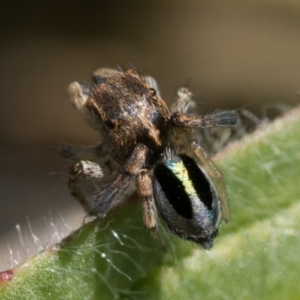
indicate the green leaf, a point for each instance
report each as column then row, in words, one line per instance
column 255, row 256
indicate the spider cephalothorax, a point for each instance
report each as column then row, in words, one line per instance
column 153, row 145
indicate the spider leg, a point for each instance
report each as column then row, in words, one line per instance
column 149, row 210
column 216, row 175
column 89, row 163
column 75, row 153
column 83, row 169
column 218, row 119
column 102, row 74
column 183, row 101
column 130, row 170
column 78, row 95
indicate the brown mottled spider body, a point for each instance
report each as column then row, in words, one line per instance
column 128, row 112
column 143, row 140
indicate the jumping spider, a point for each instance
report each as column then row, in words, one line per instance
column 143, row 139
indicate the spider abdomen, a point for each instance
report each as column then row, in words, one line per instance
column 187, row 200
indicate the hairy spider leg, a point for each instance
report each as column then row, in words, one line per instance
column 216, row 175
column 129, row 171
column 83, row 169
column 74, row 152
column 218, row 119
column 144, row 183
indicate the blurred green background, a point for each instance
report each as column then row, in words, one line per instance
column 235, row 54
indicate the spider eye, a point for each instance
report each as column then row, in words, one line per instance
column 187, row 200
column 110, row 124
column 153, row 92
